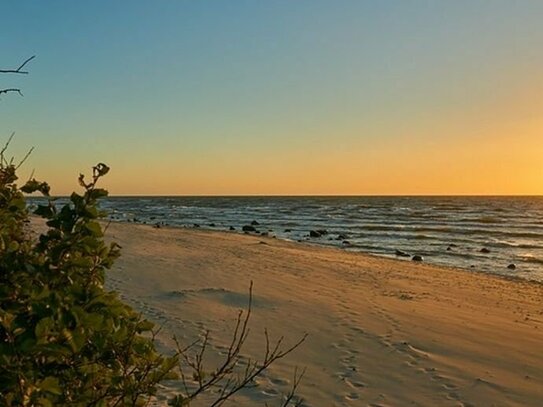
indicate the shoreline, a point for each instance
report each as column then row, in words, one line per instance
column 381, row 331
column 341, row 249
column 499, row 237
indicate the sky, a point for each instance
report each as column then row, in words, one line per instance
column 278, row 97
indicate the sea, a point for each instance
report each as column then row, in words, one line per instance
column 480, row 234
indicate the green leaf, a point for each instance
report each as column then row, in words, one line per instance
column 13, row 246
column 32, row 186
column 90, row 212
column 45, row 211
column 51, row 385
column 44, row 402
column 18, row 331
column 100, row 170
column 43, row 328
column 94, row 228
column 98, row 193
column 145, row 325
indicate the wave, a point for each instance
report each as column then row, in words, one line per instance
column 530, row 259
column 507, row 226
column 449, row 208
column 487, row 219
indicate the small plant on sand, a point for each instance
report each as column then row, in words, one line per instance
column 67, row 341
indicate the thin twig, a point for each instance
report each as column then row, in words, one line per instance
column 18, row 70
column 24, row 158
column 3, row 160
column 224, row 376
column 15, row 90
column 295, row 383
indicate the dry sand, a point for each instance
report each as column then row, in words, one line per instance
column 381, row 332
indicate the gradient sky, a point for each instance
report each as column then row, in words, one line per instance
column 279, row 97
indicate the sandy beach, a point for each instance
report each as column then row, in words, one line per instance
column 381, row 332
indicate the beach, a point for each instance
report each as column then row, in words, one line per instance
column 271, row 203
column 381, row 332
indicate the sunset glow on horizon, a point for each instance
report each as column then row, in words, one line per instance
column 279, row 98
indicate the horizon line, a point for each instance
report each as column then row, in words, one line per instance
column 313, row 196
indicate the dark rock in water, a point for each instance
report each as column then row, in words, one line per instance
column 135, row 220
column 152, row 218
column 232, row 228
column 211, row 225
column 299, row 240
column 416, row 257
column 255, row 223
column 264, row 234
column 472, row 266
column 330, row 238
column 401, row 254
column 346, row 243
column 342, row 236
column 248, row 228
column 322, row 232
column 449, row 248
column 314, row 233
column 196, row 225
column 484, row 250
column 512, row 266
column 453, row 245
column 288, row 230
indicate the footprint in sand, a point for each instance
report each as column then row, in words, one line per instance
column 352, row 396
column 449, row 386
column 348, row 359
column 277, row 381
column 355, row 384
column 453, row 396
column 358, row 330
column 270, row 392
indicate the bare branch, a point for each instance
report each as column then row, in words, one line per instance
column 3, row 160
column 10, row 138
column 226, row 376
column 18, row 70
column 295, row 383
column 24, row 158
column 11, row 90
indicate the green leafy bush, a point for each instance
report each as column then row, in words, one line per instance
column 64, row 340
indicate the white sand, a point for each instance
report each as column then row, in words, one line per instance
column 381, row 332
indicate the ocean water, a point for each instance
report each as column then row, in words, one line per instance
column 449, row 231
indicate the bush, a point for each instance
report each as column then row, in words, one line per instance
column 64, row 340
